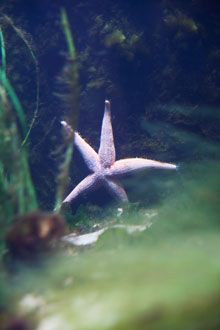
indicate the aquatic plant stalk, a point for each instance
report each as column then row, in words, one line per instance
column 74, row 93
column 8, row 87
column 14, row 99
column 17, row 193
column 68, row 35
column 23, row 37
column 3, row 52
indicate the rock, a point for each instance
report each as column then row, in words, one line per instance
column 91, row 238
column 34, row 233
column 13, row 322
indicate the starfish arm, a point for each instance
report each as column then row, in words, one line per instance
column 132, row 165
column 89, row 155
column 107, row 148
column 86, row 185
column 116, row 190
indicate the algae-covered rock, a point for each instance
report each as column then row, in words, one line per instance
column 34, row 233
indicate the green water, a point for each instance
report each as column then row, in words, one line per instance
column 167, row 277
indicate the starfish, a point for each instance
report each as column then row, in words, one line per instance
column 105, row 170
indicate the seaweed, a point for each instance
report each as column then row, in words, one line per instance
column 17, row 191
column 18, row 194
column 71, row 79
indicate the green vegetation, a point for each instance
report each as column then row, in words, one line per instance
column 17, row 190
column 17, row 194
column 74, row 94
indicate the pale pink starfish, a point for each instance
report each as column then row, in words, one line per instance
column 104, row 168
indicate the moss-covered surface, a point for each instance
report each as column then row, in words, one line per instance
column 171, row 284
column 166, row 277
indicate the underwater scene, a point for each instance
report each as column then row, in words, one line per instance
column 109, row 165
